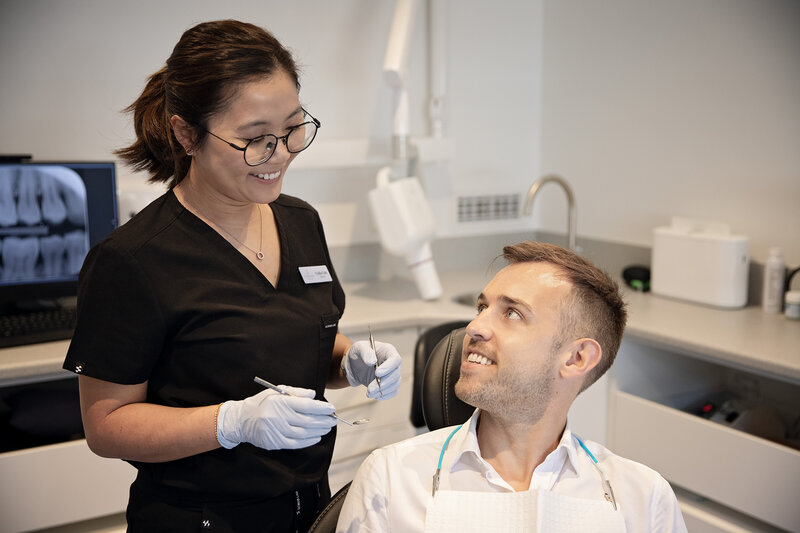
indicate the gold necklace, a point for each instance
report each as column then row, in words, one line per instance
column 259, row 253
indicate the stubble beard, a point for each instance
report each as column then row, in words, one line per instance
column 514, row 395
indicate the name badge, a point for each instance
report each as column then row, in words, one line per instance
column 315, row 274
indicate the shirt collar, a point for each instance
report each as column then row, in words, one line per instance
column 468, row 452
column 465, row 443
column 569, row 442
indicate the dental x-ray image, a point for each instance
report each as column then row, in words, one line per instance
column 43, row 223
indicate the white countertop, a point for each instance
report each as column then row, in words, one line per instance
column 748, row 338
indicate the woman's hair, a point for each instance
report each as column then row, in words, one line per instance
column 593, row 309
column 210, row 61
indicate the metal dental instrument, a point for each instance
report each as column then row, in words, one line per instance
column 372, row 345
column 267, row 384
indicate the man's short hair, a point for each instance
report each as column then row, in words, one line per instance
column 593, row 309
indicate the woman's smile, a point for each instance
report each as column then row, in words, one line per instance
column 269, row 176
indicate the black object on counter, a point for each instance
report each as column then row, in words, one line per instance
column 637, row 277
column 788, row 283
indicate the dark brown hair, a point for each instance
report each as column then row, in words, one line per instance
column 210, row 61
column 594, row 309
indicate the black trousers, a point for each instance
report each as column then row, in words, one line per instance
column 294, row 512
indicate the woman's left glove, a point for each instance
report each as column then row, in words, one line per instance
column 362, row 366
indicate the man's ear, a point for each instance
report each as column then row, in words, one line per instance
column 183, row 132
column 584, row 355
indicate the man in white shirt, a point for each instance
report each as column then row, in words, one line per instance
column 548, row 325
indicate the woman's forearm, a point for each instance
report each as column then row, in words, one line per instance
column 119, row 424
column 154, row 433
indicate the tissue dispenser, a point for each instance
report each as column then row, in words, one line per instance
column 700, row 262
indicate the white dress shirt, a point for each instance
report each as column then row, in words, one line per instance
column 392, row 488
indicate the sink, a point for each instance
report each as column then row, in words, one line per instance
column 469, row 299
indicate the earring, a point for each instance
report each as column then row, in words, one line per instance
column 190, row 153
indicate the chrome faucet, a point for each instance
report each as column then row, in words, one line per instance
column 528, row 208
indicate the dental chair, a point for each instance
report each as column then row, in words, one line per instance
column 326, row 521
column 438, row 403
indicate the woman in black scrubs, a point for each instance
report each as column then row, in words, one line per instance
column 218, row 281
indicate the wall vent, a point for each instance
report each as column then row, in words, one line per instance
column 488, row 207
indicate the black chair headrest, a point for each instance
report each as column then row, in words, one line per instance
column 426, row 342
column 440, row 406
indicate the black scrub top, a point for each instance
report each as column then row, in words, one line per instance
column 166, row 299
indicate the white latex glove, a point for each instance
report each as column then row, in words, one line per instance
column 275, row 421
column 359, row 366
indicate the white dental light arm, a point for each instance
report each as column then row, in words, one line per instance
column 394, row 72
column 399, row 208
column 394, row 64
column 400, row 128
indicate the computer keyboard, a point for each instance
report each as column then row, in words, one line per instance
column 37, row 326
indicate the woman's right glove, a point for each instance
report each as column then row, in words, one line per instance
column 275, row 421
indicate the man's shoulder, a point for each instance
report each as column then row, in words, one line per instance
column 425, row 443
column 647, row 499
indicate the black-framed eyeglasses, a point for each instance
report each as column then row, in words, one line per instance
column 260, row 149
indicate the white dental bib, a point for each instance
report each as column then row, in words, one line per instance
column 531, row 511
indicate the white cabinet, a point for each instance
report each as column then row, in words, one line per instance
column 49, row 478
column 749, row 475
column 59, row 483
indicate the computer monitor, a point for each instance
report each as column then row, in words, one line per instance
column 51, row 213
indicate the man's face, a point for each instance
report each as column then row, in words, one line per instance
column 508, row 363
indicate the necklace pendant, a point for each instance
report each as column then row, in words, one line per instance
column 260, row 255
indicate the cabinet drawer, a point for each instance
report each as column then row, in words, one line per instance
column 746, row 473
column 705, row 516
column 61, row 483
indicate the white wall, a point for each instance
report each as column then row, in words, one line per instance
column 70, row 67
column 676, row 107
column 650, row 109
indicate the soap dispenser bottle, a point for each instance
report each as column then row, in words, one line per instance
column 774, row 277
